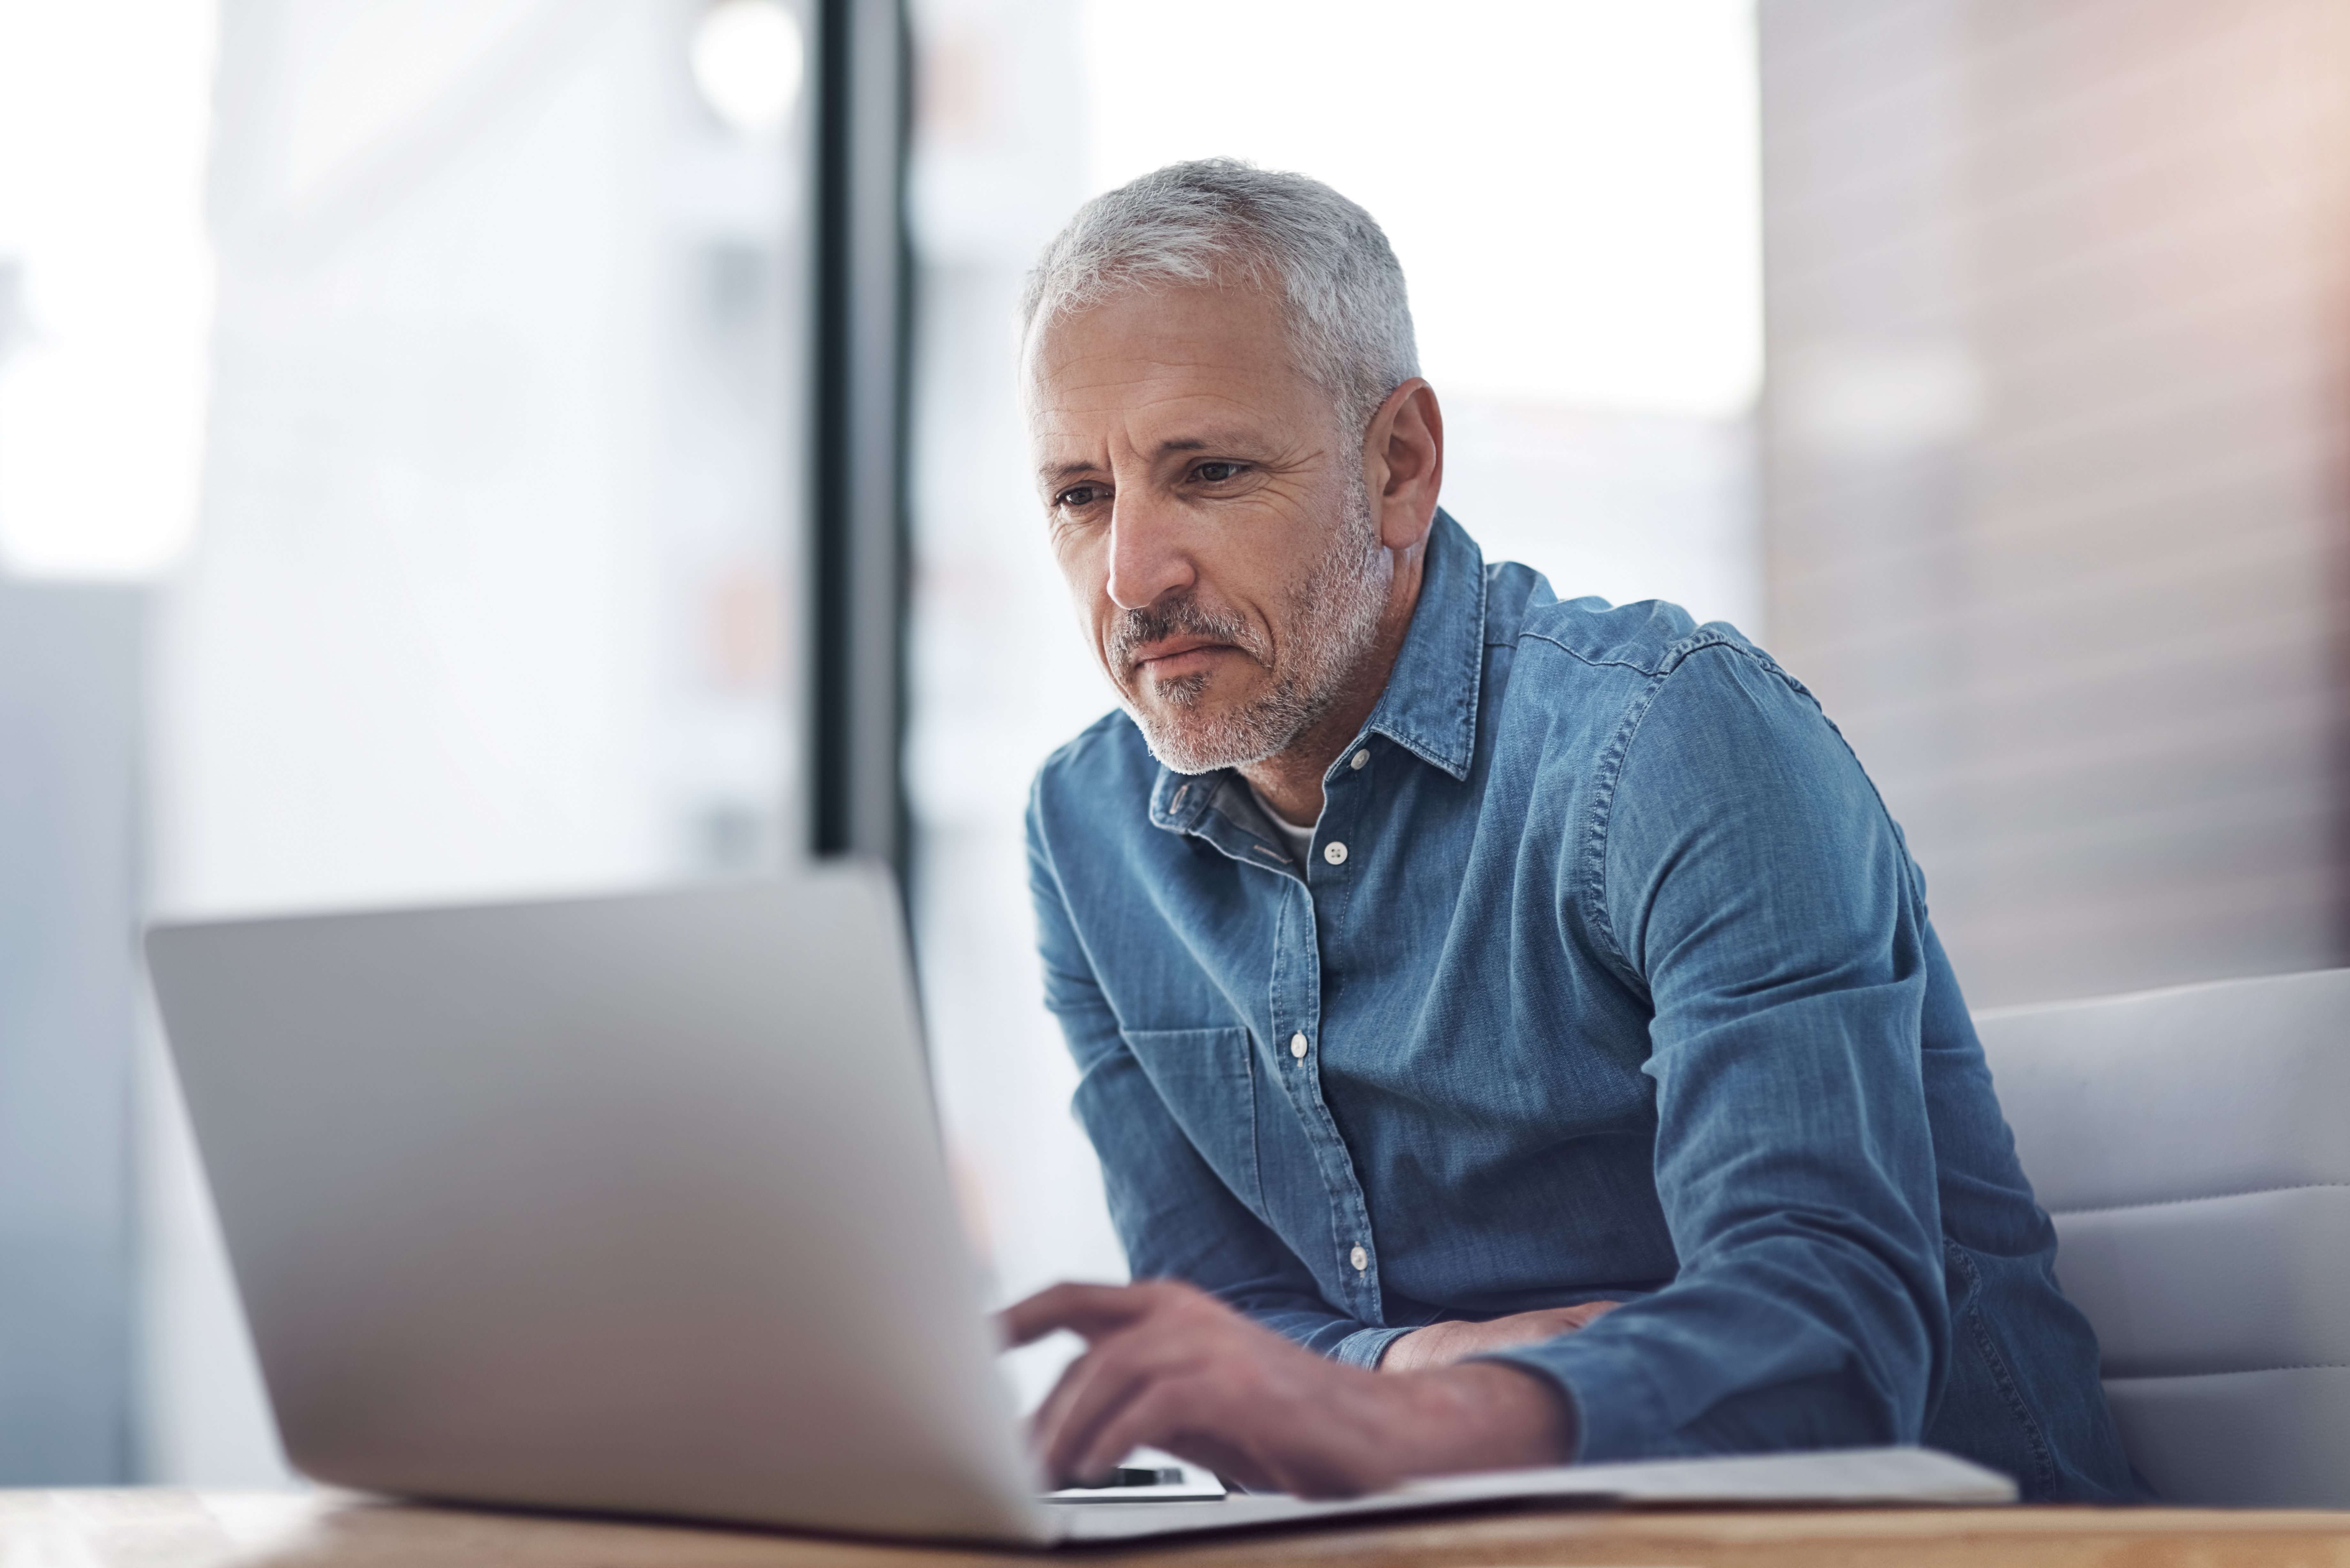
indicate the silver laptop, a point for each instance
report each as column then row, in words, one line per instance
column 636, row 1205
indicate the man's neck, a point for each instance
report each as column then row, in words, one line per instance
column 1290, row 781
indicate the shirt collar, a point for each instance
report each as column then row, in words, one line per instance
column 1430, row 706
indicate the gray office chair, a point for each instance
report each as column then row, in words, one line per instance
column 2194, row 1148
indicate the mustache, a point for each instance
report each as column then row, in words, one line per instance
column 1138, row 628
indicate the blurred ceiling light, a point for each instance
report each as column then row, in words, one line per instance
column 747, row 60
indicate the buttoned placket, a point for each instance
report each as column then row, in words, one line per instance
column 1426, row 714
column 1295, row 989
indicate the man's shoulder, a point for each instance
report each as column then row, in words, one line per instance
column 1644, row 637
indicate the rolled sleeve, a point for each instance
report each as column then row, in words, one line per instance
column 1365, row 1347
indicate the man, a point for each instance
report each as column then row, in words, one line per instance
column 1511, row 1029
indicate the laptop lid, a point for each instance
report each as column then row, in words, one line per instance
column 629, row 1203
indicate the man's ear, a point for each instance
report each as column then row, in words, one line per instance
column 1403, row 460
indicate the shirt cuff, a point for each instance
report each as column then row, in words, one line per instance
column 1364, row 1347
column 1619, row 1412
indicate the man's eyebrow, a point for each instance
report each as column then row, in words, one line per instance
column 1052, row 474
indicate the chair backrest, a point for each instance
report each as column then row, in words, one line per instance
column 2193, row 1147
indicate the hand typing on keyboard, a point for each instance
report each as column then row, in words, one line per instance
column 1168, row 1365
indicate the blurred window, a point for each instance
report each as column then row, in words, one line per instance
column 104, row 297
column 495, row 583
column 502, row 513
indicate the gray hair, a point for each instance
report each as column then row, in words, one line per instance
column 1219, row 219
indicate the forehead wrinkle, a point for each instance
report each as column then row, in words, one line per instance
column 1093, row 404
column 1226, row 422
column 1138, row 399
column 1135, row 389
column 1093, row 376
column 1194, row 351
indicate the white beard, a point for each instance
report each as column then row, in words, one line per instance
column 1334, row 620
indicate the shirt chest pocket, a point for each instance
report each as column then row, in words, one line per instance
column 1207, row 1079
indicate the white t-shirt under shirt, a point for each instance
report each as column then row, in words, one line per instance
column 1301, row 839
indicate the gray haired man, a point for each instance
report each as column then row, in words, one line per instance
column 1511, row 1028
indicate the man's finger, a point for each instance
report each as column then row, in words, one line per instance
column 1119, row 1370
column 1045, row 1423
column 1158, row 1414
column 1236, row 1466
column 1103, row 1377
column 1091, row 1392
column 1090, row 1311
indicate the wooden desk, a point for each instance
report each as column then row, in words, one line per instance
column 167, row 1528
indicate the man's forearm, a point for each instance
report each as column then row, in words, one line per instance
column 1449, row 1342
column 1483, row 1416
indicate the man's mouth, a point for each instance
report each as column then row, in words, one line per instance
column 1178, row 656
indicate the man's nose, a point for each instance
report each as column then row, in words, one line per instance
column 1147, row 557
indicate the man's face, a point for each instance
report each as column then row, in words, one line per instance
column 1210, row 515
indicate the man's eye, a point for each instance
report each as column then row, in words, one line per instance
column 1217, row 472
column 1079, row 496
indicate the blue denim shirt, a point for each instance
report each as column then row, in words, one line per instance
column 1607, row 976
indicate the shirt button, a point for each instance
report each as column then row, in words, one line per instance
column 1359, row 758
column 1298, row 1046
column 1335, row 853
column 1360, row 1259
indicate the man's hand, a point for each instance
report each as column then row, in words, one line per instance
column 1444, row 1344
column 1171, row 1367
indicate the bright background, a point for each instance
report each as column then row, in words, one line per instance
column 401, row 414
column 429, row 372
column 400, row 397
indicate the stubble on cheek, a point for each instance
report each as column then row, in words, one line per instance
column 1332, row 623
